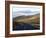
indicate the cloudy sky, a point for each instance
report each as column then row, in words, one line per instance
column 25, row 11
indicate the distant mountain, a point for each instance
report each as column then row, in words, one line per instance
column 24, row 16
column 27, row 19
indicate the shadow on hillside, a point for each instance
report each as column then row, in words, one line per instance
column 24, row 26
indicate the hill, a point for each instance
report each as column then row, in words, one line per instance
column 28, row 19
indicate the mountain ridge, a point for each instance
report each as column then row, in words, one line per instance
column 27, row 19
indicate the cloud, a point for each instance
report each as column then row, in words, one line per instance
column 25, row 11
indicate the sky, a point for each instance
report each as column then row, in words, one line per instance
column 19, row 11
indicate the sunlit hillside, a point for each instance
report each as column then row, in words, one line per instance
column 35, row 19
column 27, row 22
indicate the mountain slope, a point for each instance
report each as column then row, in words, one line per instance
column 28, row 19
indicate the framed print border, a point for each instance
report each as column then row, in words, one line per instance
column 7, row 18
